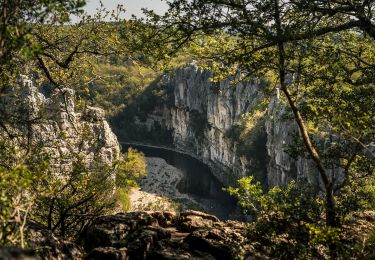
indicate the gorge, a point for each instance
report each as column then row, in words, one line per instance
column 193, row 137
column 197, row 182
column 187, row 112
column 232, row 129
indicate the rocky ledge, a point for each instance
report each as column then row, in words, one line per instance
column 167, row 235
column 143, row 235
column 51, row 126
column 163, row 235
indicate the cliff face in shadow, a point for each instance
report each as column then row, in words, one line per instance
column 183, row 109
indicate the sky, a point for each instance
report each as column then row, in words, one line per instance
column 132, row 6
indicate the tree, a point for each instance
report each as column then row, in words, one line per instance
column 290, row 38
column 17, row 22
column 15, row 203
column 72, row 200
column 281, row 218
column 37, row 40
column 18, row 172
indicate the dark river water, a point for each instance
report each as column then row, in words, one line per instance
column 198, row 181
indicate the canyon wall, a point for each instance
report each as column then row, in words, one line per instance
column 201, row 118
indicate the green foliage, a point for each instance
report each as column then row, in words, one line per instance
column 16, row 201
column 129, row 169
column 358, row 196
column 122, row 198
column 288, row 222
column 18, row 20
column 115, row 83
column 72, row 199
column 324, row 236
column 292, row 202
column 157, row 94
column 282, row 217
column 248, row 193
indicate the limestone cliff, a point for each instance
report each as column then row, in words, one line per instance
column 194, row 115
column 198, row 118
column 282, row 168
column 51, row 126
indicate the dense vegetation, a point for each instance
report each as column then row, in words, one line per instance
column 38, row 41
column 319, row 54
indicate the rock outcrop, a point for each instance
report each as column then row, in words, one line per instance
column 142, row 235
column 163, row 235
column 51, row 126
column 187, row 235
column 200, row 116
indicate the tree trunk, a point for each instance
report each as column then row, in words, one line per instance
column 50, row 212
column 331, row 212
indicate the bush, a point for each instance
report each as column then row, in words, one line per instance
column 73, row 199
column 122, row 198
column 129, row 169
column 16, row 201
column 281, row 217
column 288, row 222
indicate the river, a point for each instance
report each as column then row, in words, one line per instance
column 198, row 182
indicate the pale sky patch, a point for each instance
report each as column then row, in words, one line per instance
column 131, row 6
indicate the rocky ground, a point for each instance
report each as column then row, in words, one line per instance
column 164, row 235
column 142, row 235
column 158, row 191
column 167, row 235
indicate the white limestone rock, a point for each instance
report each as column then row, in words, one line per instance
column 57, row 129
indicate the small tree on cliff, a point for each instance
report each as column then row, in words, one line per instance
column 320, row 52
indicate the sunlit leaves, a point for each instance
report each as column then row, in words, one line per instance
column 130, row 168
